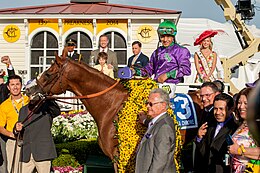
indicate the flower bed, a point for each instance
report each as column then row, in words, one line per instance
column 74, row 126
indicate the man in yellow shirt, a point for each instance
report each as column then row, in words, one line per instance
column 9, row 111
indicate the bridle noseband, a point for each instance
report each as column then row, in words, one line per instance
column 57, row 76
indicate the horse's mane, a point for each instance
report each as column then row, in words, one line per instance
column 91, row 70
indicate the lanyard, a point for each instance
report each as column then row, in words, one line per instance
column 15, row 108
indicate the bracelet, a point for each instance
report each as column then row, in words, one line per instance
column 242, row 149
column 239, row 151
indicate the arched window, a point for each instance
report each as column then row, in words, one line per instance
column 117, row 43
column 84, row 43
column 43, row 46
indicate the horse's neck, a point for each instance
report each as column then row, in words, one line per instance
column 105, row 107
column 89, row 81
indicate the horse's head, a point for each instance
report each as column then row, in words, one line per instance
column 52, row 81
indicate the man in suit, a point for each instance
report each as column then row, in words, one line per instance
column 211, row 140
column 112, row 57
column 138, row 60
column 72, row 54
column 156, row 150
column 38, row 148
column 208, row 91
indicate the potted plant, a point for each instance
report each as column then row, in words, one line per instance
column 66, row 163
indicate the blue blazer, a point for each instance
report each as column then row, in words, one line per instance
column 141, row 61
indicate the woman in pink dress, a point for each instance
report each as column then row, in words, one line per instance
column 244, row 149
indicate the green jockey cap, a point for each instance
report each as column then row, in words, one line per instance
column 167, row 28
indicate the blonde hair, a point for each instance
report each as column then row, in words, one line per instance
column 210, row 46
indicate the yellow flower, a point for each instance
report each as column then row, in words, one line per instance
column 130, row 131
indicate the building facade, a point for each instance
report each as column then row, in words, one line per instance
column 31, row 35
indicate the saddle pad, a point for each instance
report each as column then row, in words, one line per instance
column 125, row 73
column 184, row 110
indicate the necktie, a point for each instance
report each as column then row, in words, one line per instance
column 70, row 54
column 134, row 59
column 217, row 129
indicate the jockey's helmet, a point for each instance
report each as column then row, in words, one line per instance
column 167, row 28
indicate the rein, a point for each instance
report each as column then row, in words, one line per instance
column 86, row 96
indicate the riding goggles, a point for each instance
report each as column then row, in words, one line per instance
column 166, row 31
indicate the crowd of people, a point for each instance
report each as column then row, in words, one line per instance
column 223, row 143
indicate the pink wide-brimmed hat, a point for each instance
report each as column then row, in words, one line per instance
column 206, row 34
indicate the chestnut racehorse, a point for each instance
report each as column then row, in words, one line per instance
column 79, row 78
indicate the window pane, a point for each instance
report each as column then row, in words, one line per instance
column 85, row 54
column 35, row 54
column 38, row 40
column 85, row 41
column 119, row 41
column 52, row 42
column 121, row 57
column 51, row 52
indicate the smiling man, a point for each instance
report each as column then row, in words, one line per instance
column 208, row 91
column 112, row 56
column 170, row 62
column 211, row 140
column 9, row 111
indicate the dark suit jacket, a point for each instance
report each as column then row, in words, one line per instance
column 207, row 116
column 37, row 138
column 141, row 61
column 4, row 92
column 156, row 150
column 213, row 150
column 76, row 57
column 112, row 59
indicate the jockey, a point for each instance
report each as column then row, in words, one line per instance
column 170, row 62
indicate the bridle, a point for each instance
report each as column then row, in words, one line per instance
column 59, row 75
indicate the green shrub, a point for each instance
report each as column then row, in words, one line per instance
column 65, row 159
column 80, row 149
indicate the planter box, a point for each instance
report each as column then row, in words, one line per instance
column 98, row 164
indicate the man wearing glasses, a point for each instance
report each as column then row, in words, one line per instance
column 208, row 91
column 156, row 150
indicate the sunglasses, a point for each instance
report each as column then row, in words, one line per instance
column 165, row 31
column 152, row 104
column 71, row 44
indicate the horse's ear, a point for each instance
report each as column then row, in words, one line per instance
column 64, row 52
column 57, row 58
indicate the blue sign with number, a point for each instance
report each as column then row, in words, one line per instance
column 184, row 110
